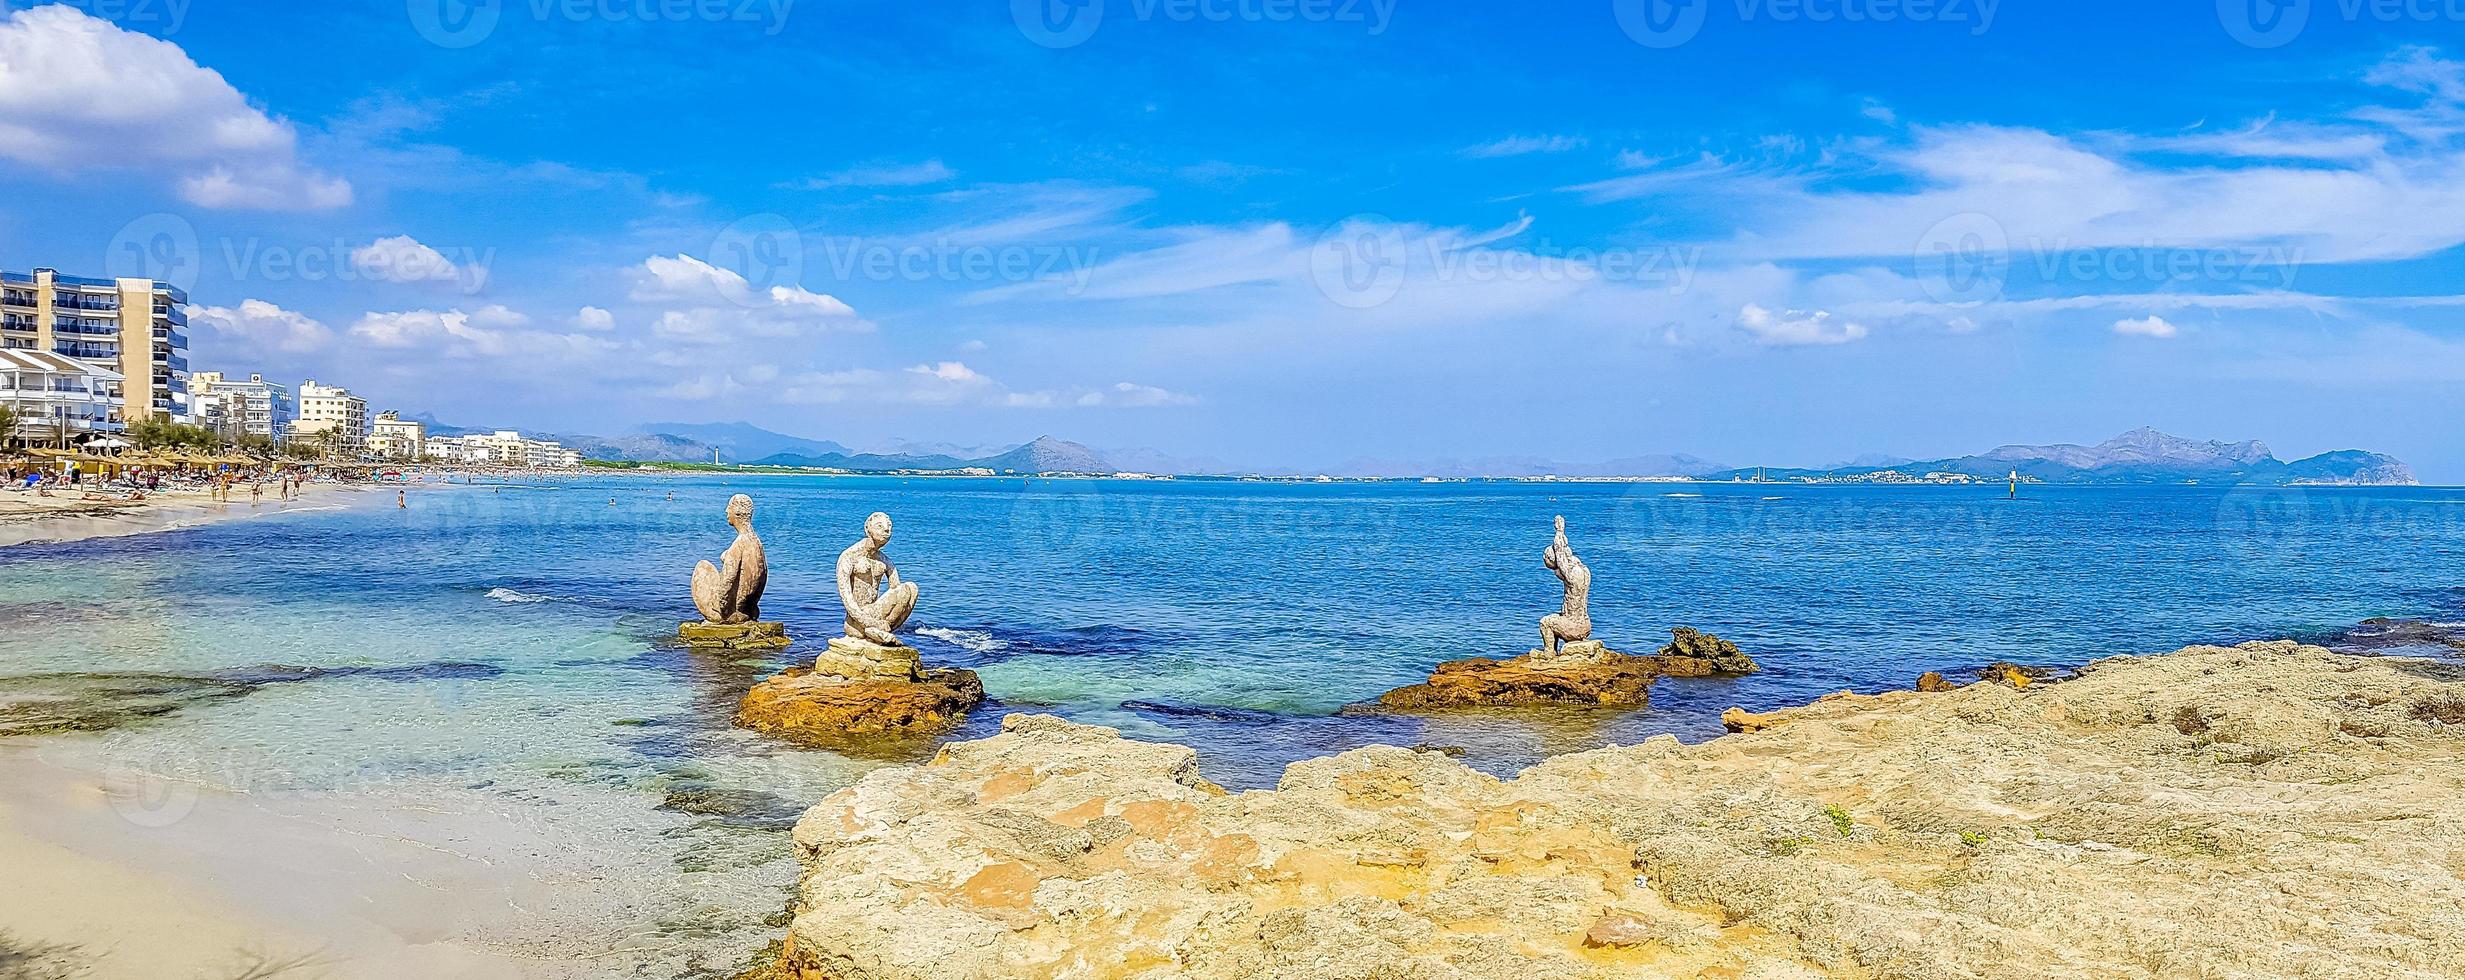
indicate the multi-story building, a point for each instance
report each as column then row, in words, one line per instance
column 327, row 408
column 130, row 327
column 504, row 447
column 255, row 407
column 57, row 399
column 393, row 437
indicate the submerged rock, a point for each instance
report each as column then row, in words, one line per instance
column 1695, row 654
column 2212, row 812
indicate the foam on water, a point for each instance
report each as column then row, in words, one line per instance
column 973, row 641
column 501, row 594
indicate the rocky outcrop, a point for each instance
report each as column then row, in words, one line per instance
column 1694, row 654
column 857, row 691
column 1583, row 673
column 819, row 709
column 2213, row 812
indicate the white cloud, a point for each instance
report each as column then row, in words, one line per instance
column 2147, row 326
column 884, row 175
column 1131, row 395
column 78, row 93
column 1796, row 328
column 2378, row 182
column 261, row 324
column 594, row 318
column 491, row 331
column 1515, row 146
column 705, row 303
column 403, row 259
column 951, row 371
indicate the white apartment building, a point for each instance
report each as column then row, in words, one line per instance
column 255, row 407
column 132, row 328
column 504, row 447
column 58, row 399
column 393, row 437
column 327, row 408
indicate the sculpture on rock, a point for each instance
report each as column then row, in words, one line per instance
column 1573, row 621
column 877, row 602
column 731, row 591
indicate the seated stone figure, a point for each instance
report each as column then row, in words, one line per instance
column 1573, row 621
column 731, row 591
column 877, row 602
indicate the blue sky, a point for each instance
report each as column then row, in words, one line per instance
column 1289, row 233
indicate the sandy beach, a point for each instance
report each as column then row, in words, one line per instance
column 138, row 877
column 28, row 519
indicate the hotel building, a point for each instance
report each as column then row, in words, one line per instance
column 255, row 407
column 504, row 447
column 131, row 328
column 57, row 399
column 327, row 408
column 393, row 437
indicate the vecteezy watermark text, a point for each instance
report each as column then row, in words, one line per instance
column 162, row 18
column 945, row 261
column 1365, row 261
column 463, row 23
column 2276, row 23
column 1669, row 23
column 1069, row 23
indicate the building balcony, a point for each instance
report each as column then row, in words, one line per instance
column 87, row 351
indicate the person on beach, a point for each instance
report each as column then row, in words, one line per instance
column 402, row 499
column 256, row 492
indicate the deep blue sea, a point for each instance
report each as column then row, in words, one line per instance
column 521, row 628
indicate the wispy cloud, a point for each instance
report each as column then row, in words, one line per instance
column 882, row 175
column 1516, row 146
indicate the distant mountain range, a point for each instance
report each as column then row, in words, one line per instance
column 2140, row 456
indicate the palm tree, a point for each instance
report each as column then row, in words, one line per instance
column 10, row 419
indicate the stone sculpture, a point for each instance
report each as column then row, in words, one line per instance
column 867, row 686
column 731, row 591
column 1573, row 621
column 877, row 602
column 729, row 594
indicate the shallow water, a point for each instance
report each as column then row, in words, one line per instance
column 508, row 641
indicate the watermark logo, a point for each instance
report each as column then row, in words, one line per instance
column 1360, row 262
column 767, row 249
column 455, row 23
column 148, row 800
column 1965, row 258
column 1058, row 23
column 2264, row 23
column 1661, row 23
column 159, row 246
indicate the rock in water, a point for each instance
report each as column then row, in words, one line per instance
column 2067, row 830
column 1933, row 683
column 819, row 709
column 1583, row 673
column 1694, row 654
column 733, row 636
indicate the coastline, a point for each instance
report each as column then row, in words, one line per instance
column 67, row 520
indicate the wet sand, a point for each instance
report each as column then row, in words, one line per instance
column 131, row 876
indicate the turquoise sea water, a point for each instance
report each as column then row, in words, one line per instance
column 521, row 627
column 506, row 647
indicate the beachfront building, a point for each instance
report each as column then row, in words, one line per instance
column 331, row 413
column 393, row 437
column 504, row 447
column 58, row 400
column 233, row 408
column 131, row 328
